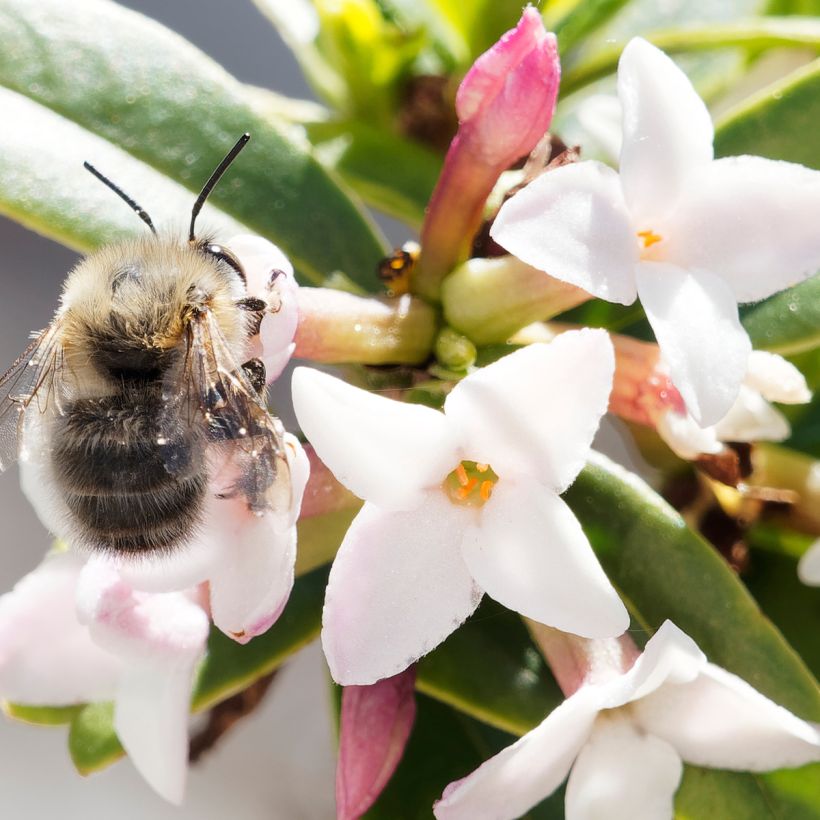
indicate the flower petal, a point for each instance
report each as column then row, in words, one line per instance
column 572, row 222
column 46, row 656
column 398, row 588
column 251, row 580
column 685, row 436
column 719, row 720
column 385, row 451
column 536, row 411
column 531, row 555
column 751, row 220
column 622, row 774
column 694, row 316
column 776, row 379
column 667, row 131
column 752, row 418
column 808, row 570
column 522, row 775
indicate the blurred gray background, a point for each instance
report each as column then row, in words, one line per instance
column 277, row 765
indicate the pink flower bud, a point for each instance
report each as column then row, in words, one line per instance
column 375, row 725
column 505, row 105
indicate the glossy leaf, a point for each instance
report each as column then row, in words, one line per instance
column 664, row 570
column 144, row 88
column 92, row 741
column 491, row 669
column 754, row 35
column 572, row 21
column 229, row 667
column 390, row 173
column 41, row 715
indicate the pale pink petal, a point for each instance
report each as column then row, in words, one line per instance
column 536, row 411
column 752, row 418
column 530, row 554
column 685, row 436
column 259, row 258
column 251, row 580
column 572, row 222
column 47, row 657
column 622, row 774
column 719, row 720
column 383, row 450
column 808, row 570
column 397, row 589
column 776, row 379
column 522, row 775
column 695, row 319
column 667, row 132
column 374, row 727
column 752, row 221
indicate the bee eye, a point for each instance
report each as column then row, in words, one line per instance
column 224, row 255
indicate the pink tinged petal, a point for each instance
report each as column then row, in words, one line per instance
column 397, row 589
column 522, row 775
column 385, row 451
column 573, row 223
column 623, row 774
column 251, row 581
column 507, row 98
column 695, row 319
column 808, row 570
column 535, row 412
column 776, row 379
column 752, row 418
column 375, row 725
column 667, row 132
column 751, row 220
column 531, row 555
column 719, row 720
column 685, row 436
column 46, row 656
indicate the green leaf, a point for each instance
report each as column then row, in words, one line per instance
column 445, row 745
column 92, row 741
column 41, row 715
column 144, row 88
column 573, row 20
column 491, row 669
column 664, row 570
column 788, row 322
column 753, row 35
column 390, row 173
column 229, row 667
column 777, row 121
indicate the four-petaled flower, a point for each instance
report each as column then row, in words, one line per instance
column 72, row 633
column 690, row 235
column 622, row 741
column 461, row 502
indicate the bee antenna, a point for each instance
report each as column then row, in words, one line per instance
column 134, row 206
column 215, row 177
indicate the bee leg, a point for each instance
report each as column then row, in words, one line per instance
column 255, row 308
column 255, row 371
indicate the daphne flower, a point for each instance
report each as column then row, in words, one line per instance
column 769, row 378
column 247, row 559
column 623, row 741
column 461, row 503
column 71, row 634
column 690, row 235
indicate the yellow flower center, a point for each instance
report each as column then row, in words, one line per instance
column 649, row 238
column 471, row 483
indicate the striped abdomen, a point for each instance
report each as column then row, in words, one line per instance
column 126, row 491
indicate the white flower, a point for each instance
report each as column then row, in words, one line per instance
column 623, row 741
column 461, row 503
column 690, row 235
column 247, row 559
column 751, row 418
column 808, row 570
column 71, row 634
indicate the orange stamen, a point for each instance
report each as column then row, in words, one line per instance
column 461, row 475
column 464, row 491
column 486, row 490
column 649, row 238
column 482, row 468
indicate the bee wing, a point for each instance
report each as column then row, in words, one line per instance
column 211, row 390
column 33, row 381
